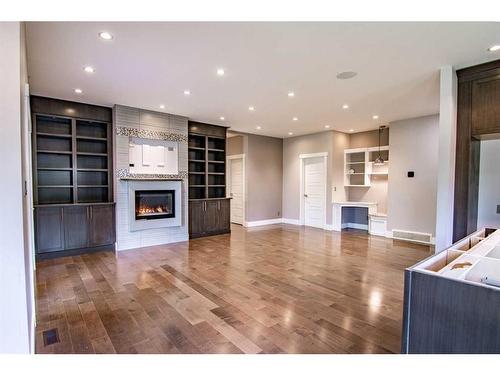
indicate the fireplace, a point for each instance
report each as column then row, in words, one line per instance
column 154, row 204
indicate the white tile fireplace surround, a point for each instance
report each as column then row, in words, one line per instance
column 133, row 123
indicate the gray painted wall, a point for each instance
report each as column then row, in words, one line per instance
column 14, row 291
column 368, row 139
column 264, row 177
column 412, row 201
column 234, row 145
column 489, row 185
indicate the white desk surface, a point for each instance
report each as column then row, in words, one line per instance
column 356, row 203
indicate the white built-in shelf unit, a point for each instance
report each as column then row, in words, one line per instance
column 360, row 167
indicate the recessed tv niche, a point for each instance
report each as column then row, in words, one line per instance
column 155, row 156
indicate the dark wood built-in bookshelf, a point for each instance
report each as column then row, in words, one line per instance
column 72, row 165
column 208, row 205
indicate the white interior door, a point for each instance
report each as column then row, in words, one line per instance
column 236, row 189
column 314, row 192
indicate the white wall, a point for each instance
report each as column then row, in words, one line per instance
column 446, row 168
column 489, row 185
column 411, row 202
column 14, row 317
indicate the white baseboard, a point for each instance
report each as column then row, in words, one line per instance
column 258, row 223
column 291, row 221
column 354, row 226
column 328, row 226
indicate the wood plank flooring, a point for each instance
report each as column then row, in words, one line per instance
column 274, row 289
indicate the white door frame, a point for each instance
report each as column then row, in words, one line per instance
column 28, row 208
column 228, row 180
column 302, row 158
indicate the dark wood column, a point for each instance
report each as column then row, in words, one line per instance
column 478, row 117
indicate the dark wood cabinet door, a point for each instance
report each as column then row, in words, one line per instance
column 486, row 106
column 224, row 215
column 196, row 218
column 76, row 227
column 102, row 225
column 49, row 229
column 212, row 216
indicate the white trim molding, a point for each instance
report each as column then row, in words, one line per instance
column 258, row 223
column 291, row 221
column 302, row 158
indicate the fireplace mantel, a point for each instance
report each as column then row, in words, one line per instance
column 149, row 179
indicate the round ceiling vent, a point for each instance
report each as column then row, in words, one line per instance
column 346, row 75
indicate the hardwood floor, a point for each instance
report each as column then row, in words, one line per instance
column 274, row 289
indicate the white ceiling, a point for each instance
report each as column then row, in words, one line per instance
column 148, row 64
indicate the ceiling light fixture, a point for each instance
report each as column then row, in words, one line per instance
column 259, row 127
column 351, row 130
column 494, row 48
column 327, row 126
column 89, row 69
column 345, row 106
column 346, row 75
column 220, row 72
column 290, row 133
column 375, row 117
column 162, row 106
column 295, row 119
column 78, row 91
column 222, row 118
column 291, row 94
column 187, row 92
column 105, row 35
column 379, row 160
column 251, row 108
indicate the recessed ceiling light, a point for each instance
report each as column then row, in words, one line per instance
column 295, row 118
column 291, row 94
column 220, row 72
column 162, row 106
column 251, row 108
column 105, row 35
column 187, row 92
column 375, row 117
column 494, row 48
column 345, row 106
column 89, row 69
column 346, row 75
column 259, row 127
column 290, row 133
column 78, row 91
column 327, row 126
column 222, row 118
column 351, row 130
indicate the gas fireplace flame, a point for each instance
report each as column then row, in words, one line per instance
column 144, row 209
